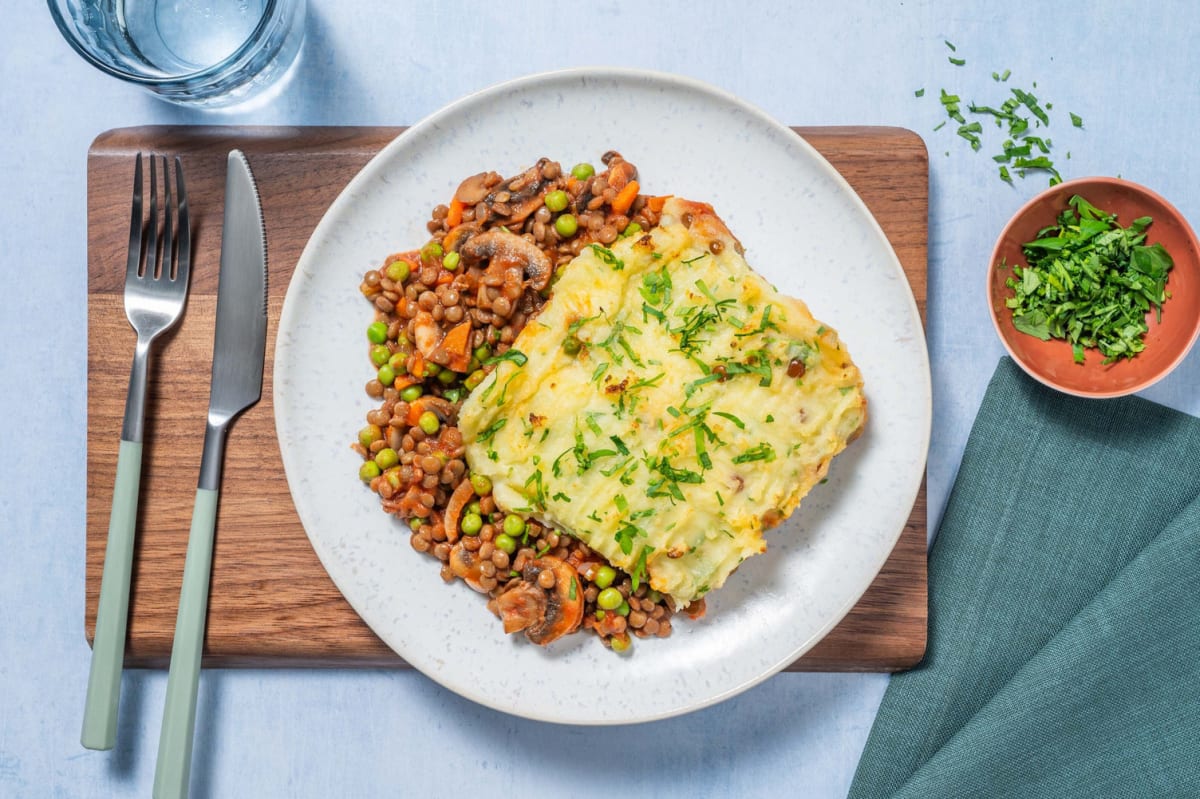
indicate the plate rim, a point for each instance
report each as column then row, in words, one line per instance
column 670, row 80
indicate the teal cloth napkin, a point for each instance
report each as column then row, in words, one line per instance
column 1064, row 592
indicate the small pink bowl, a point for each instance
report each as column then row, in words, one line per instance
column 1167, row 343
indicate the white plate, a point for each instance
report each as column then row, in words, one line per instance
column 803, row 227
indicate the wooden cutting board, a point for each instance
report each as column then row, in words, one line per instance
column 272, row 603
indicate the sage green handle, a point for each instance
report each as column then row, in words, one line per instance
column 173, row 770
column 112, row 614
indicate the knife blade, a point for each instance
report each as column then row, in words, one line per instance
column 239, row 346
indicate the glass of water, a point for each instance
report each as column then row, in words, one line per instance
column 209, row 53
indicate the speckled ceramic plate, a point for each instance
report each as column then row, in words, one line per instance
column 803, row 227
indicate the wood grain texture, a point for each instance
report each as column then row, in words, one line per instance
column 272, row 603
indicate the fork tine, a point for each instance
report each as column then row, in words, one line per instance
column 184, row 261
column 152, row 240
column 168, row 239
column 135, row 225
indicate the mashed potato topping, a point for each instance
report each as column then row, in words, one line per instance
column 666, row 406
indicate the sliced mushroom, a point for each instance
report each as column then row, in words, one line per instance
column 504, row 251
column 466, row 564
column 521, row 607
column 564, row 602
column 457, row 236
column 473, row 189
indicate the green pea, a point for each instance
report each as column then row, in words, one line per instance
column 473, row 507
column 392, row 475
column 369, row 435
column 411, row 393
column 482, row 353
column 571, row 345
column 450, row 261
column 623, row 609
column 619, row 643
column 604, row 576
column 609, row 599
column 474, row 379
column 369, row 471
column 452, row 394
column 653, row 596
column 386, row 458
column 505, row 543
column 380, row 355
column 472, row 523
column 387, row 375
column 377, row 332
column 397, row 271
column 631, row 229
column 429, row 422
column 583, row 171
column 514, row 525
column 399, row 362
column 446, row 377
column 431, row 252
column 432, row 370
column 566, row 225
column 557, row 200
column 415, row 522
column 482, row 484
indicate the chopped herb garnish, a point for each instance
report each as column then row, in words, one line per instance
column 608, row 257
column 1090, row 282
column 625, row 535
column 516, row 356
column 958, row 62
column 738, row 422
column 621, row 447
column 639, row 569
column 489, row 432
column 761, row 452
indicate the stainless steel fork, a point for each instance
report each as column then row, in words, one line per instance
column 156, row 287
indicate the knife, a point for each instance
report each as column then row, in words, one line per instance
column 239, row 347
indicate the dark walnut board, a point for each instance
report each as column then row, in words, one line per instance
column 272, row 603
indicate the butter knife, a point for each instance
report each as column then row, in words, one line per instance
column 239, row 347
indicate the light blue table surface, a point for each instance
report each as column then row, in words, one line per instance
column 1130, row 70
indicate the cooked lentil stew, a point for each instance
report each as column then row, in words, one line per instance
column 444, row 316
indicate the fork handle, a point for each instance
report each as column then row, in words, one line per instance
column 173, row 769
column 112, row 614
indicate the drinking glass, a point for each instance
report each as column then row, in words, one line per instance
column 209, row 53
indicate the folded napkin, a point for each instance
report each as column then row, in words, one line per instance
column 1064, row 591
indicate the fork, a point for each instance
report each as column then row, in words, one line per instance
column 156, row 287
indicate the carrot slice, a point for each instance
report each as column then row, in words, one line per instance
column 656, row 204
column 625, row 197
column 404, row 381
column 457, row 344
column 415, row 409
column 418, row 367
column 454, row 217
column 458, row 500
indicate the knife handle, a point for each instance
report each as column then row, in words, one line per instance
column 173, row 769
column 112, row 613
